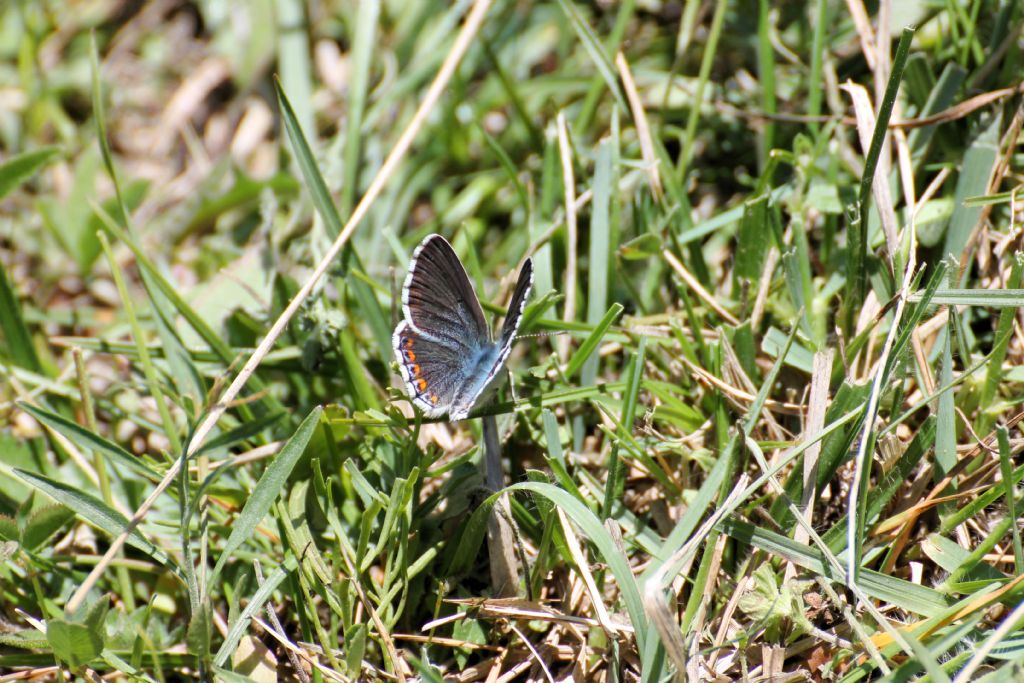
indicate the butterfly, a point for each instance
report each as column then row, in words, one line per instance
column 443, row 346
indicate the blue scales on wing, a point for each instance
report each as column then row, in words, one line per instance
column 443, row 346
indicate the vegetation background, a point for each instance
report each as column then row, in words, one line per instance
column 780, row 441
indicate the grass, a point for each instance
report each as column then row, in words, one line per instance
column 777, row 438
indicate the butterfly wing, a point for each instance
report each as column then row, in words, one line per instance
column 494, row 357
column 444, row 333
column 438, row 299
column 434, row 371
column 517, row 305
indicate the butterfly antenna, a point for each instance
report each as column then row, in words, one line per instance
column 554, row 333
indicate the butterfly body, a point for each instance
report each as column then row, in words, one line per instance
column 443, row 346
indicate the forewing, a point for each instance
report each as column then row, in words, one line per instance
column 433, row 371
column 438, row 299
column 465, row 399
column 516, row 306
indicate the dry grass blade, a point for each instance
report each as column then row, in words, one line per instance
column 699, row 290
column 569, row 188
column 583, row 567
column 643, row 129
column 880, row 184
column 853, row 540
column 817, row 406
column 655, row 603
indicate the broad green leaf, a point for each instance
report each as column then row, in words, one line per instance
column 269, row 487
column 79, row 638
column 21, row 167
column 43, row 523
column 74, row 644
column 754, row 239
column 17, row 338
column 975, row 170
column 83, row 438
column 97, row 513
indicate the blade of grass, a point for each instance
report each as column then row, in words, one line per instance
column 21, row 167
column 364, row 38
column 976, row 167
column 569, row 187
column 293, row 60
column 252, row 608
column 87, row 440
column 148, row 368
column 815, row 80
column 587, row 522
column 601, row 248
column 859, row 235
column 1006, row 470
column 152, row 277
column 945, row 434
column 595, row 50
column 590, row 344
column 904, row 594
column 615, row 483
column 269, row 487
column 708, row 58
column 614, row 41
column 18, row 339
column 96, row 512
column 766, row 77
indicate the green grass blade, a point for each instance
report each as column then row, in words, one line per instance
column 593, row 340
column 318, row 191
column 20, row 348
column 149, row 370
column 364, row 40
column 585, row 520
column 87, row 440
column 244, row 617
column 596, row 51
column 708, row 58
column 815, row 81
column 293, row 54
column 96, row 512
column 991, row 298
column 152, row 275
column 973, row 181
column 269, row 487
column 904, row 594
column 601, row 247
column 859, row 235
column 21, row 167
column 615, row 485
column 1006, row 470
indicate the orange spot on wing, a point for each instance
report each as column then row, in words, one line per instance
column 434, row 399
column 415, row 369
column 407, row 342
column 411, row 357
column 421, row 384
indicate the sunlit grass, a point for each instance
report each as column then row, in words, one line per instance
column 776, row 438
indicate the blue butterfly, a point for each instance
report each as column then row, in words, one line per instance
column 443, row 345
